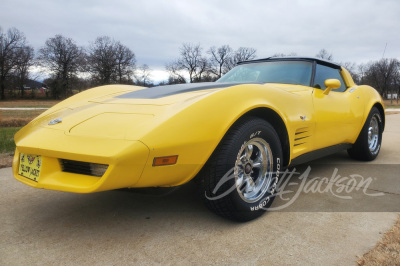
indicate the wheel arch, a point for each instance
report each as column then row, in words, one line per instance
column 277, row 123
column 381, row 110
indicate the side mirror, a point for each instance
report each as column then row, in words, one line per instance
column 331, row 84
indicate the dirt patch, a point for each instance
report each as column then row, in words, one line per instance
column 6, row 159
column 393, row 113
column 387, row 251
column 394, row 104
column 16, row 122
column 28, row 103
column 17, row 118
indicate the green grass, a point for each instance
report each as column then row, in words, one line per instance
column 7, row 139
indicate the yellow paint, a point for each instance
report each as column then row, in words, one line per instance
column 127, row 134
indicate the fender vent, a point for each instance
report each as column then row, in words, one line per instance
column 301, row 136
column 83, row 168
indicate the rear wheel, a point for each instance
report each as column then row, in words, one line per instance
column 239, row 180
column 368, row 144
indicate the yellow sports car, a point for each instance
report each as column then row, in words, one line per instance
column 234, row 136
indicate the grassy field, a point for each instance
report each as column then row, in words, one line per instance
column 18, row 118
column 394, row 104
column 7, row 139
column 12, row 120
column 7, row 145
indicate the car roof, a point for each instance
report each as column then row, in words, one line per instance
column 309, row 59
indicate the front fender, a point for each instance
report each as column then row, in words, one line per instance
column 194, row 133
column 372, row 98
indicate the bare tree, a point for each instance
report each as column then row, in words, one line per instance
column 175, row 73
column 175, row 80
column 190, row 61
column 102, row 60
column 110, row 61
column 241, row 54
column 362, row 68
column 190, row 58
column 383, row 75
column 11, row 44
column 143, row 75
column 125, row 60
column 219, row 59
column 24, row 60
column 199, row 69
column 396, row 83
column 64, row 59
column 203, row 70
column 323, row 54
column 245, row 53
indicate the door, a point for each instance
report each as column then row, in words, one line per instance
column 338, row 114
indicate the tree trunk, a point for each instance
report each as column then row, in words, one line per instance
column 3, row 87
column 391, row 97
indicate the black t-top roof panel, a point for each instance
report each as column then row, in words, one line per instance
column 309, row 59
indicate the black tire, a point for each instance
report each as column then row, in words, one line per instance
column 365, row 149
column 254, row 141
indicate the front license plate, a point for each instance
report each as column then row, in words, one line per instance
column 30, row 166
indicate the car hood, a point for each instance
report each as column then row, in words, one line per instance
column 123, row 112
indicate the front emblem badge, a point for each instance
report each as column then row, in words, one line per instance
column 55, row 121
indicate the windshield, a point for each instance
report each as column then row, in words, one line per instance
column 288, row 72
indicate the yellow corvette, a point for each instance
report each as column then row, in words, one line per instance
column 235, row 135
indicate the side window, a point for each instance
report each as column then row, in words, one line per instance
column 323, row 73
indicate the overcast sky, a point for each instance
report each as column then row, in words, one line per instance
column 352, row 30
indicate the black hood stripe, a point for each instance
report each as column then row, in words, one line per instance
column 168, row 90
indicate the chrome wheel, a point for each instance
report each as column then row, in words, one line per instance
column 373, row 134
column 253, row 170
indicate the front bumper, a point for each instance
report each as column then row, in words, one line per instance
column 125, row 159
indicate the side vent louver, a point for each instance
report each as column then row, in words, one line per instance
column 301, row 136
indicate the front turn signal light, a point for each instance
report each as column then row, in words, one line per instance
column 168, row 160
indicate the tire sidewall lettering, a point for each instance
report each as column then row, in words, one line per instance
column 264, row 201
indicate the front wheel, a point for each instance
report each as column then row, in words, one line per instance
column 369, row 141
column 240, row 179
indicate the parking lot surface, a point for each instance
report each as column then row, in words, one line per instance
column 319, row 226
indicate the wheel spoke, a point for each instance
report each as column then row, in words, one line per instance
column 258, row 163
column 251, row 178
column 373, row 134
column 239, row 180
column 249, row 151
column 249, row 184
